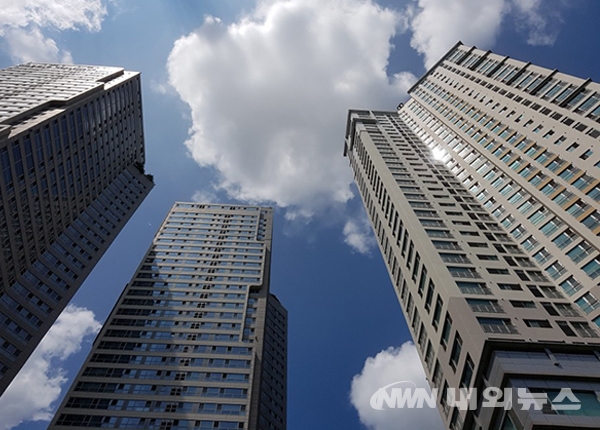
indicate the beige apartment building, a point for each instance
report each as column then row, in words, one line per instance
column 483, row 193
column 72, row 160
column 196, row 341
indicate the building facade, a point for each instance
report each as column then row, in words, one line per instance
column 196, row 340
column 483, row 193
column 72, row 160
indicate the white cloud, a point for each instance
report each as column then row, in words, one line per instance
column 269, row 95
column 62, row 15
column 439, row 24
column 31, row 45
column 359, row 235
column 38, row 385
column 539, row 21
column 22, row 22
column 387, row 367
column 161, row 88
column 204, row 196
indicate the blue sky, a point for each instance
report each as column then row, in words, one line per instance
column 246, row 102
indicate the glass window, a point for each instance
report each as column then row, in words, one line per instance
column 517, row 197
column 571, row 285
column 472, row 287
column 523, row 304
column 556, row 164
column 530, row 243
column 526, row 171
column 551, row 226
column 566, row 310
column 538, row 323
column 539, row 216
column 564, row 197
column 587, row 154
column 550, row 188
column 578, row 208
column 446, row 331
column 583, row 181
column 510, row 287
column 542, row 256
column 592, row 269
column 543, row 157
column 594, row 193
column 566, row 92
column 538, row 178
column 578, row 98
column 488, row 306
column 506, row 190
column 580, row 251
column 556, row 270
column 497, row 325
column 498, row 182
column 548, row 134
column 569, row 172
column 454, row 258
column 585, row 330
column 463, row 272
column 467, row 373
column 519, row 232
column 588, row 303
column 560, row 140
column 565, row 238
column 564, row 326
column 592, row 221
column 437, row 233
column 456, row 350
column 437, row 312
column 526, row 207
column 588, row 104
column 516, row 164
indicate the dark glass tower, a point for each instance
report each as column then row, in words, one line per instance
column 196, row 341
column 72, row 174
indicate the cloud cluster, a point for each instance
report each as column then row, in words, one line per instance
column 540, row 22
column 358, row 234
column 22, row 23
column 387, row 367
column 31, row 395
column 438, row 24
column 269, row 95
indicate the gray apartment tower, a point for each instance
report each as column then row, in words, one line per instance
column 196, row 340
column 483, row 191
column 72, row 161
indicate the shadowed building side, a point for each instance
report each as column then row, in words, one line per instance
column 72, row 162
column 196, row 341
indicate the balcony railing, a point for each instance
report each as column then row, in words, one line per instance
column 491, row 308
column 499, row 328
column 465, row 274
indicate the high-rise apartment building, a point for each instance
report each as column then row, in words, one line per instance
column 72, row 161
column 483, row 193
column 196, row 340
